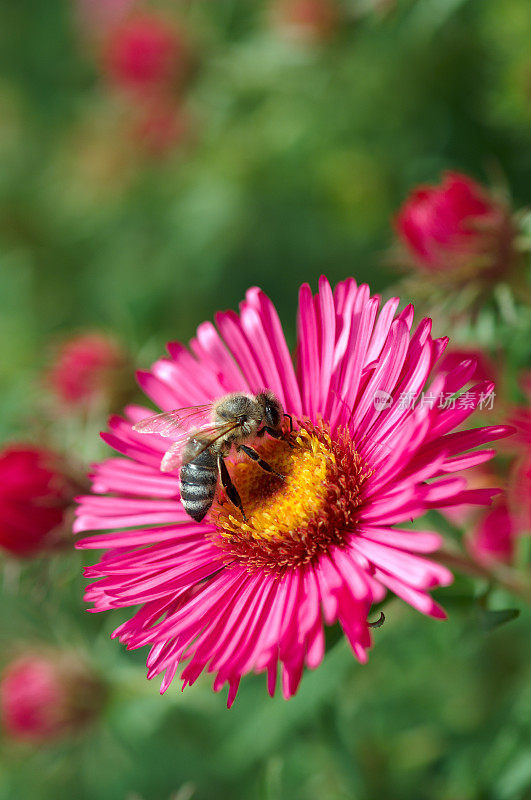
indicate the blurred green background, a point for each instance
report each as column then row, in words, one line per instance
column 297, row 155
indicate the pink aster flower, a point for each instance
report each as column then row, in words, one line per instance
column 457, row 229
column 230, row 596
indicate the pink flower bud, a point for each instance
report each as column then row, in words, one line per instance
column 493, row 538
column 88, row 369
column 146, row 53
column 457, row 226
column 34, row 495
column 46, row 695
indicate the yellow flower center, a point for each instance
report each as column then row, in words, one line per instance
column 275, row 507
column 290, row 521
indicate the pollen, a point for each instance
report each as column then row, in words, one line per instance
column 290, row 521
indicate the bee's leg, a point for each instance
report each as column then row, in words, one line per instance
column 275, row 434
column 271, row 431
column 229, row 487
column 260, row 461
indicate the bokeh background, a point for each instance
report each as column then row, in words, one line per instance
column 280, row 147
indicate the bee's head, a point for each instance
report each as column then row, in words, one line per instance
column 272, row 409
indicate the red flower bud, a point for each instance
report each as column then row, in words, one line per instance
column 88, row 368
column 493, row 537
column 457, row 226
column 46, row 695
column 34, row 495
column 145, row 54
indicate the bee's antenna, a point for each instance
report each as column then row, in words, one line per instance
column 379, row 622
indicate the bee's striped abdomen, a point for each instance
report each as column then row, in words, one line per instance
column 199, row 479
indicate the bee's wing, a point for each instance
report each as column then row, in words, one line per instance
column 173, row 457
column 172, row 422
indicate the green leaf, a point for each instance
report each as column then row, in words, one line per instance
column 489, row 619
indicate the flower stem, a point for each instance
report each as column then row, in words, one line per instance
column 505, row 576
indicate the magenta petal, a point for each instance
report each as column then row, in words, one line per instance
column 308, row 352
column 419, row 600
column 263, row 353
column 230, row 328
column 210, row 349
column 418, row 572
column 416, row 541
column 275, row 335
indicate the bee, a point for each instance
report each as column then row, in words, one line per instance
column 199, row 452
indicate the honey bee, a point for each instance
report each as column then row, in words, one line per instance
column 199, row 452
